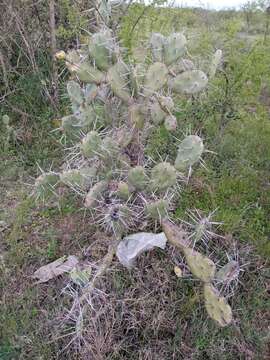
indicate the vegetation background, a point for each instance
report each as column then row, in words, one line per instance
column 150, row 313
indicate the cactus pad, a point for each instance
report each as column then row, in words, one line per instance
column 157, row 42
column 136, row 117
column 228, row 272
column 138, row 178
column 118, row 78
column 157, row 210
column 181, row 66
column 170, row 123
column 123, row 191
column 175, row 235
column 157, row 114
column 100, row 48
column 217, row 307
column 95, row 194
column 188, row 82
column 155, row 78
column 200, row 266
column 91, row 144
column 174, row 48
column 75, row 93
column 45, row 185
column 163, row 176
column 189, row 152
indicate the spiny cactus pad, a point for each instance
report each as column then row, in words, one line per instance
column 157, row 42
column 123, row 191
column 138, row 178
column 175, row 235
column 118, row 78
column 155, row 78
column 217, row 307
column 189, row 152
column 95, row 194
column 157, row 210
column 163, row 176
column 45, row 185
column 188, row 82
column 174, row 48
column 101, row 47
column 78, row 178
column 91, row 144
column 88, row 73
column 157, row 114
column 181, row 66
column 75, row 93
column 200, row 266
column 228, row 272
column 170, row 123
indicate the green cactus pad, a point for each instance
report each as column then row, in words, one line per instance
column 157, row 210
column 103, row 12
column 228, row 272
column 157, row 42
column 118, row 78
column 163, row 176
column 87, row 116
column 95, row 194
column 155, row 78
column 90, row 92
column 71, row 126
column 91, row 144
column 157, row 114
column 166, row 103
column 78, row 178
column 188, row 82
column 45, row 185
column 181, row 66
column 100, row 48
column 123, row 191
column 217, row 307
column 189, row 152
column 174, row 48
column 89, row 74
column 136, row 116
column 75, row 93
column 137, row 75
column 200, row 266
column 138, row 178
column 170, row 123
column 109, row 149
column 175, row 235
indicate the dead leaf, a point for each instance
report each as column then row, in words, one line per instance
column 55, row 268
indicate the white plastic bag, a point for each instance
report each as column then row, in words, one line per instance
column 133, row 245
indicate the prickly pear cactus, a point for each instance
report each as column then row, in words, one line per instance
column 114, row 106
